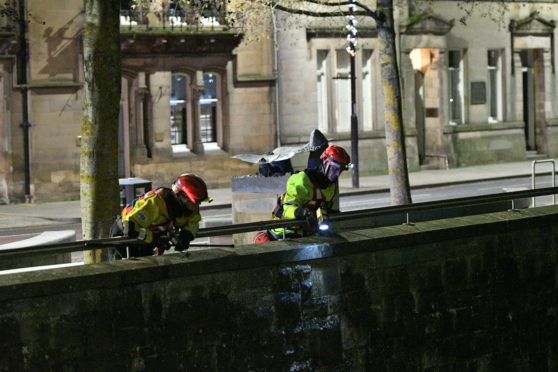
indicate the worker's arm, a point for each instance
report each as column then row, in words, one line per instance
column 188, row 230
column 191, row 223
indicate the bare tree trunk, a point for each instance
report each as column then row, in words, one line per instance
column 395, row 138
column 99, row 129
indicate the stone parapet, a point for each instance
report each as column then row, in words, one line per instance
column 450, row 294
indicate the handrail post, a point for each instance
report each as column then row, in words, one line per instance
column 533, row 176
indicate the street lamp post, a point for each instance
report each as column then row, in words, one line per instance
column 351, row 49
column 22, row 62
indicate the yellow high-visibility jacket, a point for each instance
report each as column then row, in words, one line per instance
column 155, row 210
column 302, row 193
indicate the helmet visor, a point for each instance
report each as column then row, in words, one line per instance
column 341, row 166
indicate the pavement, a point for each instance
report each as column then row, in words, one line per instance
column 48, row 215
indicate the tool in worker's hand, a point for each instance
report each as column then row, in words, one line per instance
column 323, row 223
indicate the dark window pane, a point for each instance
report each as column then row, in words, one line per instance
column 493, row 58
column 208, row 108
column 454, row 77
column 178, row 115
column 454, row 58
column 493, row 93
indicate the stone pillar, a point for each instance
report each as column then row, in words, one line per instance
column 540, row 98
column 4, row 147
column 140, row 114
column 551, row 108
column 408, row 79
column 435, row 88
column 197, row 89
column 144, row 128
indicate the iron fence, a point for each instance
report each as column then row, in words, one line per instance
column 206, row 16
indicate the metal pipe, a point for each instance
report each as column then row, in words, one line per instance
column 533, row 176
column 22, row 82
column 378, row 212
column 68, row 247
column 263, row 225
column 351, row 36
column 354, row 126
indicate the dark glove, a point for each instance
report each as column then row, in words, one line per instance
column 128, row 229
column 307, row 214
column 183, row 241
column 161, row 244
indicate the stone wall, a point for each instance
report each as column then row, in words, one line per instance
column 471, row 294
column 474, row 144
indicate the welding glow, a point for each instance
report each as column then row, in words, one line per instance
column 324, row 226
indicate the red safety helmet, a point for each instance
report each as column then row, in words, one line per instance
column 338, row 155
column 193, row 186
column 335, row 161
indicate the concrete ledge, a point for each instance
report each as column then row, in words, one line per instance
column 438, row 295
column 47, row 237
column 36, row 268
column 115, row 274
column 485, row 127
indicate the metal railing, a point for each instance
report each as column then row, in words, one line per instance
column 263, row 225
column 533, row 176
column 212, row 16
column 384, row 211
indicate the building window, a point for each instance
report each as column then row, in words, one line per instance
column 456, row 86
column 495, row 85
column 209, row 108
column 342, row 91
column 191, row 119
column 333, row 77
column 179, row 108
column 367, row 90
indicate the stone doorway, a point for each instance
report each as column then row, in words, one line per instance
column 532, row 80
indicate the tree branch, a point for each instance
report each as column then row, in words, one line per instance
column 371, row 12
column 340, row 13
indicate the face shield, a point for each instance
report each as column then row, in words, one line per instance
column 186, row 202
column 333, row 170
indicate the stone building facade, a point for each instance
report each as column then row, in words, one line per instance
column 191, row 97
column 475, row 90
